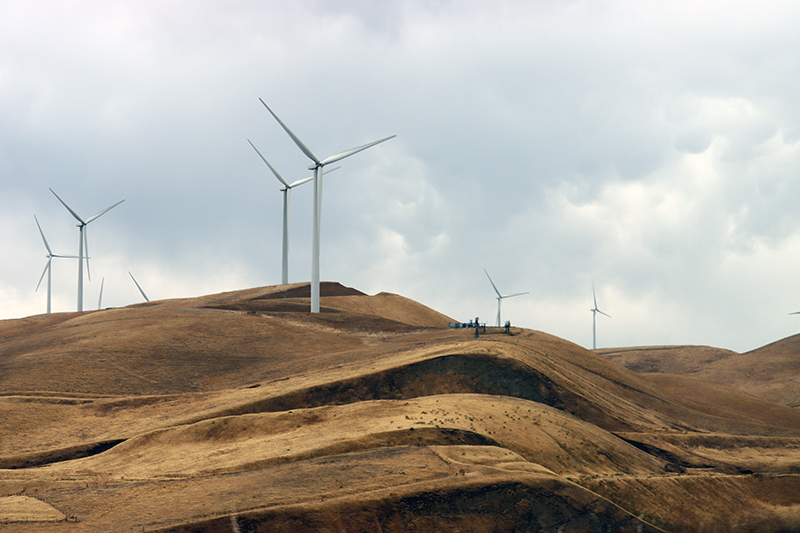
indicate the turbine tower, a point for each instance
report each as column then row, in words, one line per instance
column 594, row 311
column 138, row 286
column 47, row 268
column 286, row 189
column 500, row 296
column 83, row 243
column 317, row 165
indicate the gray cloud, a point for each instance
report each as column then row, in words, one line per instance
column 653, row 150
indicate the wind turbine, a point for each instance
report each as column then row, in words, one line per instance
column 500, row 296
column 317, row 165
column 594, row 311
column 286, row 189
column 47, row 268
column 83, row 243
column 138, row 286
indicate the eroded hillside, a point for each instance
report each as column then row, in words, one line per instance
column 243, row 411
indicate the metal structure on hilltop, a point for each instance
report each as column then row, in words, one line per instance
column 500, row 297
column 83, row 243
column 48, row 269
column 286, row 189
column 317, row 166
column 594, row 311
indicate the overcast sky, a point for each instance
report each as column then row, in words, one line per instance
column 648, row 147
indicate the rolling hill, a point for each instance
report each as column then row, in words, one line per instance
column 241, row 411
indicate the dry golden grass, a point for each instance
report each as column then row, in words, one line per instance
column 242, row 410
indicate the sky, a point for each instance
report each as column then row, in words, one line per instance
column 651, row 149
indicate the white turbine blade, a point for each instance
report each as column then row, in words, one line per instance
column 79, row 219
column 602, row 313
column 304, row 180
column 137, row 286
column 299, row 182
column 297, row 141
column 277, row 175
column 352, row 151
column 493, row 285
column 104, row 211
column 49, row 260
column 795, row 313
column 593, row 296
column 517, row 294
column 42, row 234
column 100, row 299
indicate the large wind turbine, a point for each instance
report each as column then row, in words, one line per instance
column 47, row 267
column 83, row 243
column 594, row 311
column 500, row 296
column 286, row 189
column 317, row 165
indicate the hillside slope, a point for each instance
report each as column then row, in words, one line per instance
column 242, row 410
column 771, row 372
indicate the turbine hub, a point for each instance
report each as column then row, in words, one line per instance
column 312, row 166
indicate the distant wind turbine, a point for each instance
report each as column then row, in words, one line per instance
column 317, row 165
column 500, row 296
column 286, row 189
column 83, row 243
column 48, row 268
column 138, row 286
column 594, row 311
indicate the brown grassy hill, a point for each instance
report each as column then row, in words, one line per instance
column 666, row 359
column 243, row 412
column 771, row 372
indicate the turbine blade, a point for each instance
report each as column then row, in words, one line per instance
column 49, row 260
column 795, row 313
column 104, row 211
column 42, row 234
column 299, row 182
column 137, row 286
column 297, row 141
column 518, row 294
column 74, row 214
column 602, row 313
column 280, row 178
column 493, row 285
column 593, row 296
column 100, row 299
column 302, row 181
column 348, row 153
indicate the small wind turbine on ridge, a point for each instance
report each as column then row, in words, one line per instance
column 286, row 189
column 83, row 243
column 317, row 165
column 500, row 296
column 594, row 311
column 48, row 268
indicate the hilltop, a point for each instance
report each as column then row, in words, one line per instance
column 770, row 372
column 242, row 411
